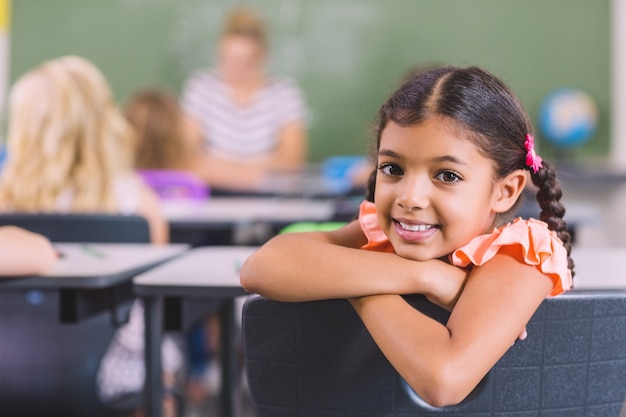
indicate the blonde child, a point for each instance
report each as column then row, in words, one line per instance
column 454, row 152
column 71, row 150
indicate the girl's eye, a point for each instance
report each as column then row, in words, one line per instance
column 448, row 177
column 390, row 169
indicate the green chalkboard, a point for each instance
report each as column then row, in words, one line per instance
column 347, row 55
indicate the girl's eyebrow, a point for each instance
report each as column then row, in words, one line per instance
column 443, row 158
column 450, row 158
column 387, row 152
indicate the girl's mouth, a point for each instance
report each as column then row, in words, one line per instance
column 415, row 227
column 412, row 232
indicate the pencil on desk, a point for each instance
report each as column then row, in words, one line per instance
column 92, row 251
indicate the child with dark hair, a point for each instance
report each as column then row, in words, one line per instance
column 454, row 152
column 170, row 143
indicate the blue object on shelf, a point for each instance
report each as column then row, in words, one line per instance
column 338, row 172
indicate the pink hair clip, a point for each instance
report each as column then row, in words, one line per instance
column 533, row 161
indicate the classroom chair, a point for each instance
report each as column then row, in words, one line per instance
column 49, row 367
column 316, row 359
column 92, row 228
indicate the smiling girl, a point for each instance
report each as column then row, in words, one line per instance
column 454, row 153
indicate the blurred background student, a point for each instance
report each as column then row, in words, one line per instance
column 245, row 114
column 71, row 150
column 169, row 141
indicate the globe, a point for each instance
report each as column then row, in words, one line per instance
column 568, row 117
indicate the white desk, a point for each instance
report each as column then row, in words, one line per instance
column 205, row 272
column 214, row 267
column 238, row 210
column 241, row 220
column 91, row 277
column 599, row 268
column 89, row 265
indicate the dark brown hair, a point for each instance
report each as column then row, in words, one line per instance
column 490, row 115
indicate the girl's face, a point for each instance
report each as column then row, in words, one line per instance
column 434, row 189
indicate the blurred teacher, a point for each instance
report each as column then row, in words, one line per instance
column 246, row 116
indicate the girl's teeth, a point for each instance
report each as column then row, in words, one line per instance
column 415, row 227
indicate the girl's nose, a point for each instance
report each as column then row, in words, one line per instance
column 414, row 194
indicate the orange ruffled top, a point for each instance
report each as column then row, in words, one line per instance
column 538, row 246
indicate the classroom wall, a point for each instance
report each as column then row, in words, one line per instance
column 347, row 55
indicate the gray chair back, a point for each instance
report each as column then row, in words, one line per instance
column 92, row 228
column 316, row 359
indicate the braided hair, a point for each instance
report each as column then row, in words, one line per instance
column 492, row 117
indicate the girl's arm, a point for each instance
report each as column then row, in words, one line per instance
column 24, row 253
column 323, row 265
column 443, row 364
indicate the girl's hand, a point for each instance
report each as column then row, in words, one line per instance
column 445, row 284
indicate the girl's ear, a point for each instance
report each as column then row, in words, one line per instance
column 508, row 190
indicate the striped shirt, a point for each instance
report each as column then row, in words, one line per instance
column 236, row 131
